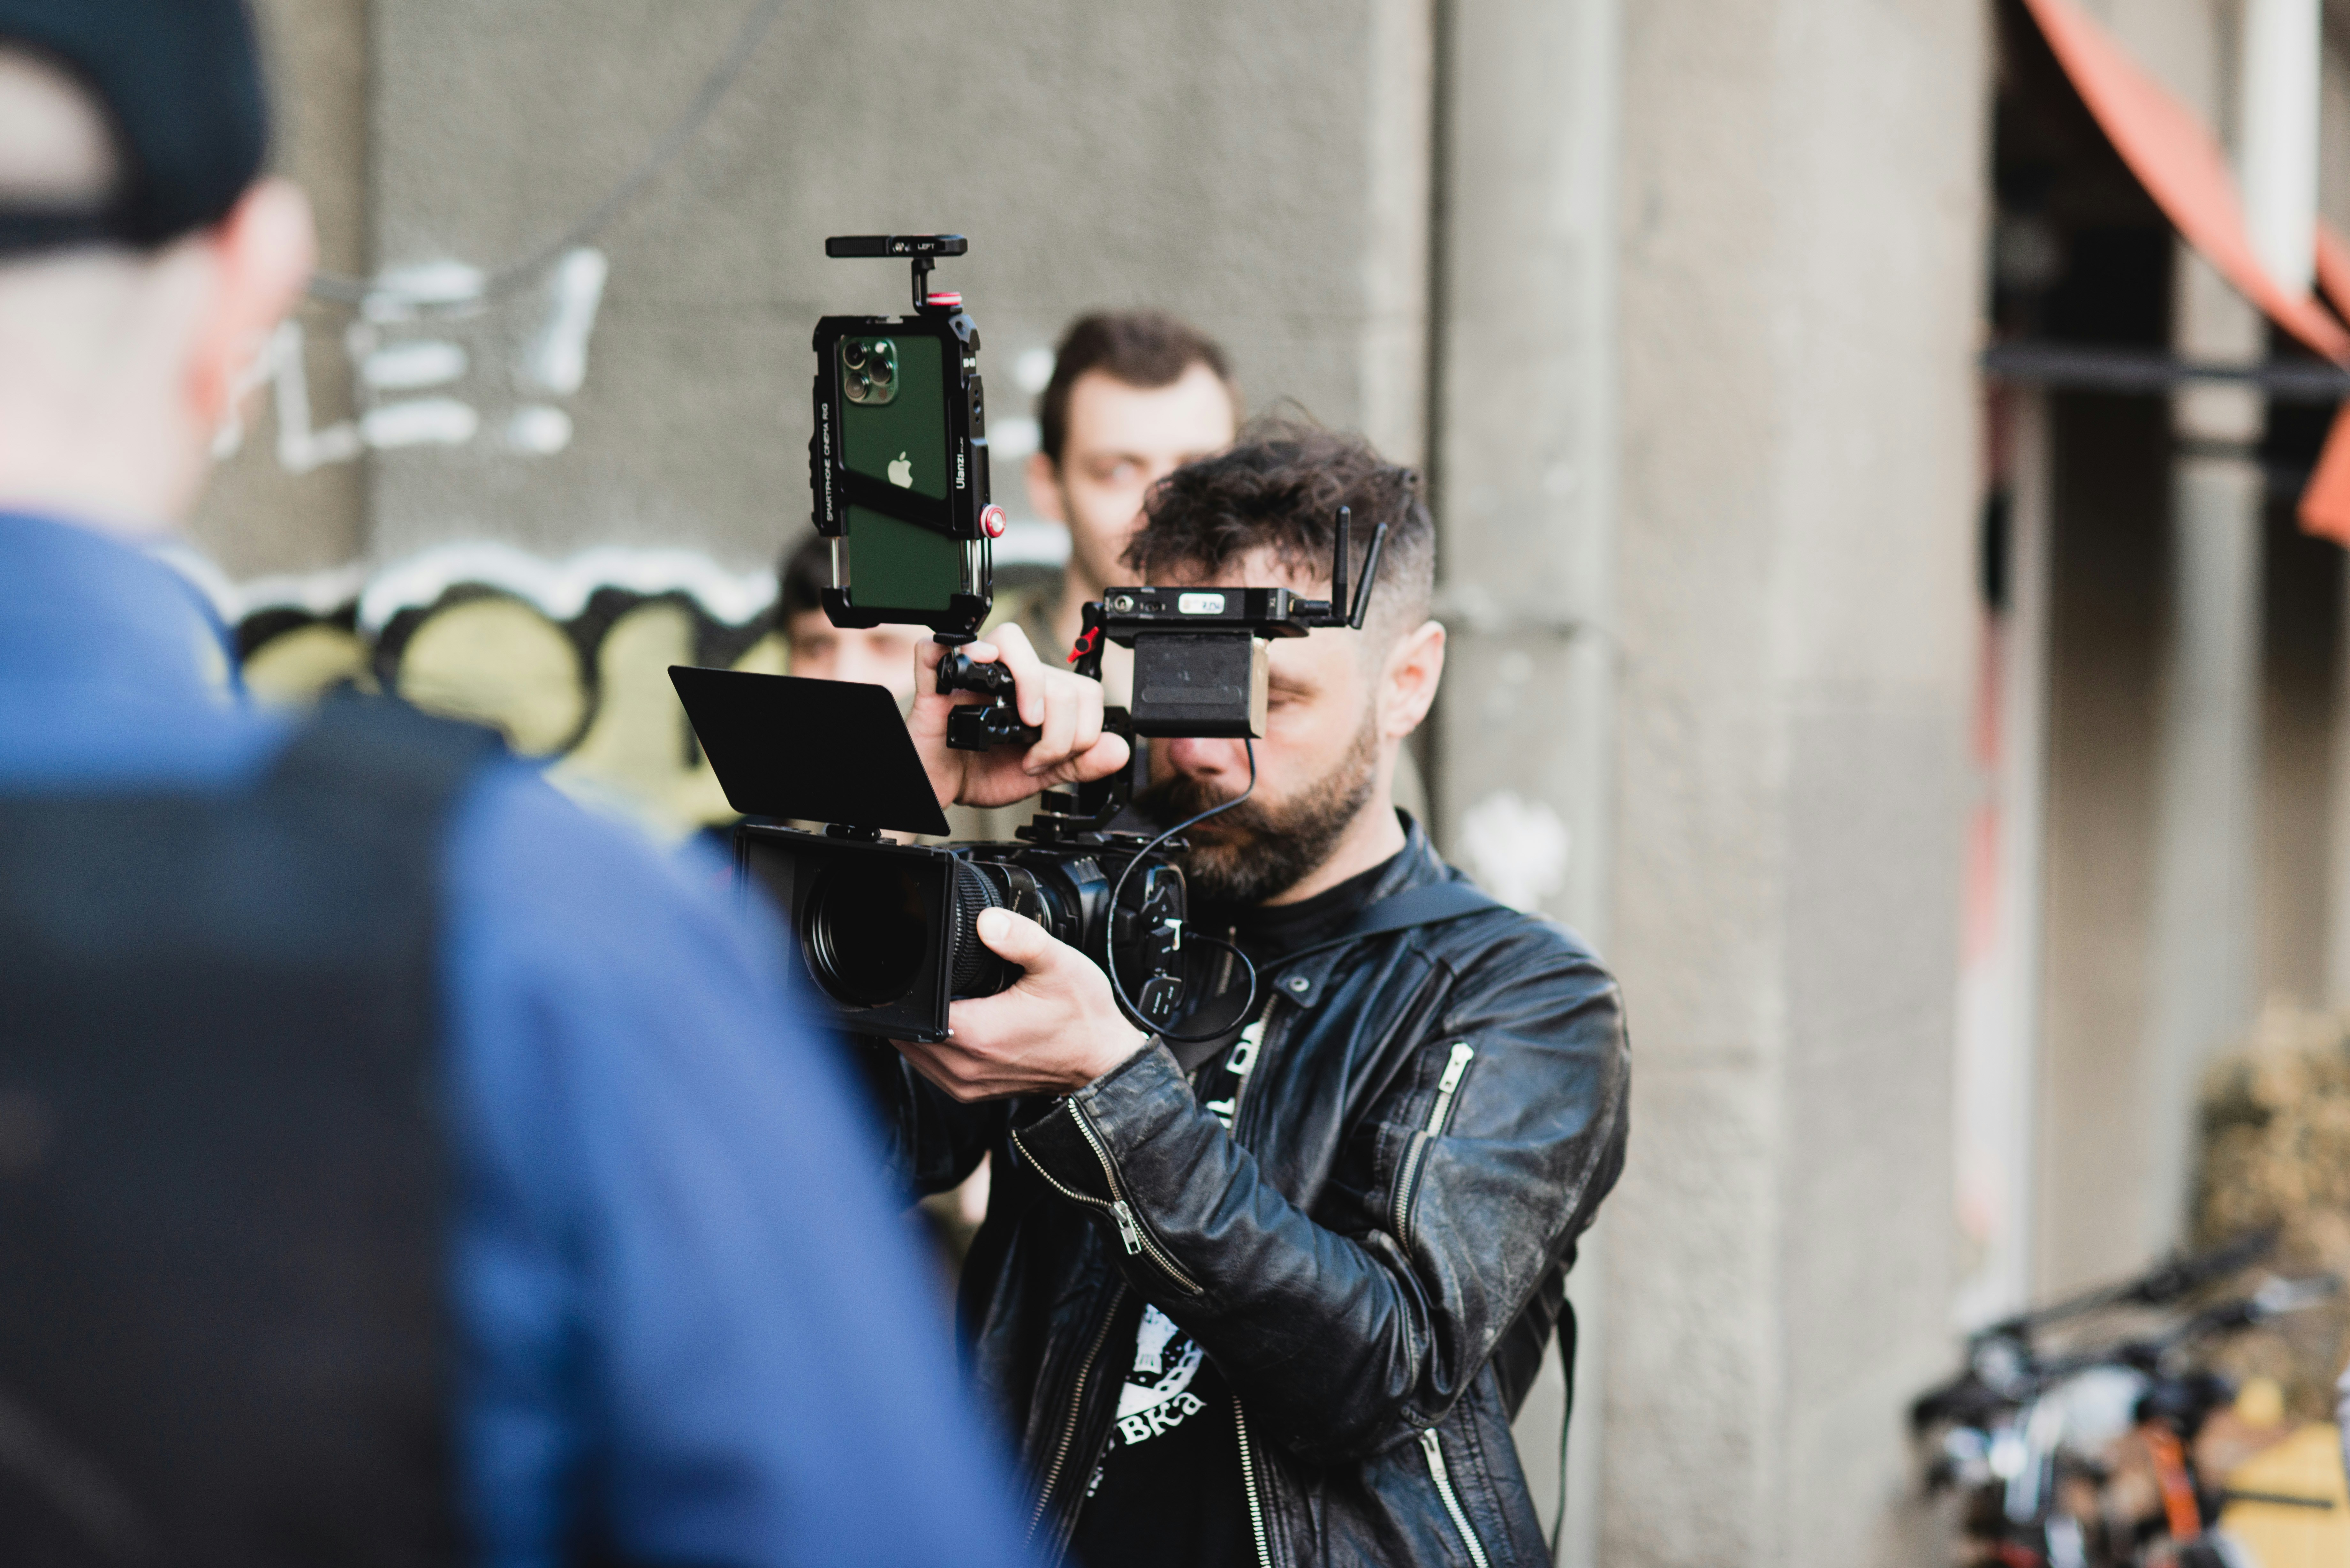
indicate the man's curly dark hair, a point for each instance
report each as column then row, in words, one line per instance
column 1278, row 488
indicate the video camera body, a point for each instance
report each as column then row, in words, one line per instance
column 887, row 932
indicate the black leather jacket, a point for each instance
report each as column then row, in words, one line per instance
column 1374, row 1255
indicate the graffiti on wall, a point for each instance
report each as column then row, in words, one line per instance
column 436, row 359
column 570, row 659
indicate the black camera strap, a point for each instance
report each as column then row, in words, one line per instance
column 1433, row 904
column 1303, row 972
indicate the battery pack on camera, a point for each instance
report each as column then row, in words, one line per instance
column 1209, row 684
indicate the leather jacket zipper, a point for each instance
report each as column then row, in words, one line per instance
column 1242, row 1064
column 1434, row 1448
column 1136, row 1240
column 1248, row 1480
column 1130, row 1233
column 1076, row 1409
column 1408, row 1183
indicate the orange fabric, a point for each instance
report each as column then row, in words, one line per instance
column 2182, row 1514
column 2181, row 166
column 2326, row 504
column 2334, row 266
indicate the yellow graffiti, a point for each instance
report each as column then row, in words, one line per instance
column 296, row 668
column 499, row 662
column 638, row 758
column 618, row 744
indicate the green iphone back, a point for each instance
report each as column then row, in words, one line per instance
column 893, row 427
column 902, row 440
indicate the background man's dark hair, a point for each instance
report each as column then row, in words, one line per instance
column 1279, row 488
column 807, row 572
column 1140, row 348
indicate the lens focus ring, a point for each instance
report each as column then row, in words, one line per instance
column 977, row 970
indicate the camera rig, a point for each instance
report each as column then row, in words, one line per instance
column 886, row 933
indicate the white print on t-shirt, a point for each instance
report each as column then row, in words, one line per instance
column 1150, row 1343
column 1157, row 1397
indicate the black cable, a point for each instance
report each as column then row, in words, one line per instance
column 1117, row 891
column 343, row 290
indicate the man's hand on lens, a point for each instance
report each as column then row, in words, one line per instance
column 1066, row 705
column 1056, row 1030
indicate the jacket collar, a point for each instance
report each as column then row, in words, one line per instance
column 1303, row 979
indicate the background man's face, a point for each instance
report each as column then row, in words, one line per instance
column 1121, row 441
column 876, row 655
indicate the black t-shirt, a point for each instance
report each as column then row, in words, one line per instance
column 1270, row 932
column 1168, row 1492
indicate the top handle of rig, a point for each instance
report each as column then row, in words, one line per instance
column 923, row 250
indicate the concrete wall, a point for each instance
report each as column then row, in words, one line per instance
column 1803, row 201
column 2110, row 641
column 1260, row 170
column 258, row 518
column 2301, row 627
column 2110, row 620
column 1524, row 458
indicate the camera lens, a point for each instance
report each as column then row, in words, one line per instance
column 866, row 934
column 852, row 353
column 858, row 386
column 884, row 367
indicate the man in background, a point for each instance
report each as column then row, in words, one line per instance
column 396, row 1165
column 1134, row 395
column 876, row 655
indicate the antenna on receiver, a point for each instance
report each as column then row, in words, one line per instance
column 1336, row 612
column 1338, row 562
column 1370, row 576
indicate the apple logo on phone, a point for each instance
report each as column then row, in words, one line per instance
column 902, row 473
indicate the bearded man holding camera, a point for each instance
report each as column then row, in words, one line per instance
column 1274, row 1297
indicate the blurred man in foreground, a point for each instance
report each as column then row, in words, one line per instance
column 1272, row 1292
column 395, row 1165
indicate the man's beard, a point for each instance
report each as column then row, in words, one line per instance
column 1257, row 851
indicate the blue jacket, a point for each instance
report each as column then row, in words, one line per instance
column 673, row 1266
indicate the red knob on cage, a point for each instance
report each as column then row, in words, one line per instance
column 991, row 521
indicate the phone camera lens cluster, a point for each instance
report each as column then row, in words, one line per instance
column 868, row 369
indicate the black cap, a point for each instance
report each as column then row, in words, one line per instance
column 180, row 81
